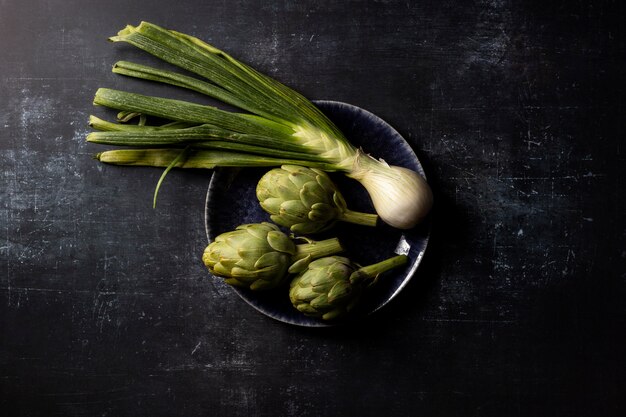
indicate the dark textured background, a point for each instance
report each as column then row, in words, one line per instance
column 516, row 111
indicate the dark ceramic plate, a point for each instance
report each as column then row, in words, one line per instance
column 231, row 201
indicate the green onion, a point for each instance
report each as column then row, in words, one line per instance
column 277, row 125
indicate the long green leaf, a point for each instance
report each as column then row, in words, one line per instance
column 198, row 159
column 107, row 126
column 189, row 112
column 170, row 48
column 146, row 72
column 196, row 136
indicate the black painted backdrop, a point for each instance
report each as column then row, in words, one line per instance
column 516, row 110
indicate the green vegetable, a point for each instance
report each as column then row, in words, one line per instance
column 330, row 287
column 259, row 256
column 278, row 125
column 305, row 200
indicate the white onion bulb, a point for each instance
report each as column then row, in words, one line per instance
column 401, row 197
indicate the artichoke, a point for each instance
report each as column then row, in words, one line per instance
column 259, row 256
column 305, row 200
column 330, row 287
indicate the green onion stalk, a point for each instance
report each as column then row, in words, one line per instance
column 277, row 125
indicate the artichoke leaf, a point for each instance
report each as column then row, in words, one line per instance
column 340, row 201
column 280, row 242
column 259, row 230
column 322, row 212
column 294, row 208
column 300, row 265
column 270, row 259
column 228, row 263
column 306, row 309
column 291, row 168
column 271, row 205
column 339, row 291
column 310, row 227
column 320, row 303
column 254, row 252
column 241, row 273
column 284, row 191
column 315, row 192
column 310, row 196
column 299, row 178
column 305, row 294
column 323, row 179
column 220, row 270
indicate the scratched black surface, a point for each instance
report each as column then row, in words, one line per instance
column 516, row 111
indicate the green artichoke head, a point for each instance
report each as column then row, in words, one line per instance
column 325, row 290
column 305, row 200
column 255, row 256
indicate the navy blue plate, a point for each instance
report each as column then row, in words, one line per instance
column 231, row 201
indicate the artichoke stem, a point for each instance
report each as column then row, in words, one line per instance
column 318, row 249
column 356, row 217
column 372, row 271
